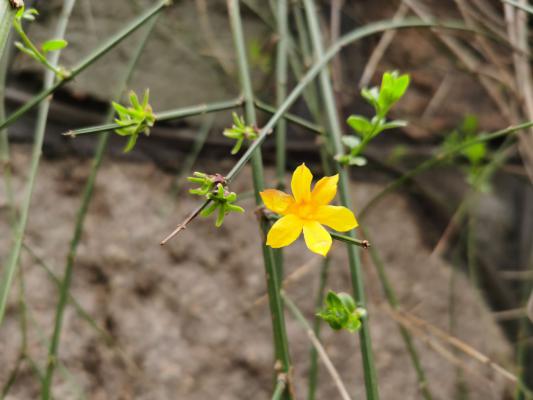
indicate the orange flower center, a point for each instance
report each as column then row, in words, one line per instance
column 304, row 210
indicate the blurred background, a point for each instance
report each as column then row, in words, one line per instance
column 188, row 320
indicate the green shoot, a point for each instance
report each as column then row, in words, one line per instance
column 240, row 131
column 214, row 189
column 340, row 312
column 393, row 87
column 134, row 120
column 27, row 46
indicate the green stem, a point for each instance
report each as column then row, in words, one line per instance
column 204, row 108
column 86, row 62
column 390, row 295
column 281, row 346
column 80, row 219
column 37, row 54
column 291, row 118
column 313, row 369
column 5, row 163
column 279, row 389
column 335, row 135
column 6, row 21
column 439, row 158
column 316, row 343
column 281, row 90
column 40, row 128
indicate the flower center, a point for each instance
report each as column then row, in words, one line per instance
column 305, row 210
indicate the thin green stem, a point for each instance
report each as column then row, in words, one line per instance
column 281, row 89
column 295, row 119
column 354, row 261
column 37, row 54
column 86, row 62
column 281, row 384
column 313, row 369
column 439, row 158
column 42, row 116
column 204, row 108
column 6, row 21
column 316, row 343
column 281, row 347
column 80, row 219
column 390, row 295
column 5, row 163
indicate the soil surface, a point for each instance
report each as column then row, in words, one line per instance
column 184, row 318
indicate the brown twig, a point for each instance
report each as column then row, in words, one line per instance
column 184, row 224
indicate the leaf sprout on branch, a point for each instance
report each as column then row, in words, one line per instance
column 214, row 189
column 340, row 312
column 134, row 120
column 27, row 46
column 393, row 87
column 240, row 131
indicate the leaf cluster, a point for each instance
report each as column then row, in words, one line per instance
column 134, row 120
column 240, row 131
column 474, row 153
column 393, row 87
column 213, row 188
column 340, row 312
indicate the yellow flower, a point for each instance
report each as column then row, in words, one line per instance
column 307, row 210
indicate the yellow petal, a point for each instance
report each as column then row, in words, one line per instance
column 336, row 217
column 301, row 183
column 325, row 190
column 317, row 238
column 276, row 200
column 285, row 231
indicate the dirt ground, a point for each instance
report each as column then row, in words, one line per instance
column 183, row 317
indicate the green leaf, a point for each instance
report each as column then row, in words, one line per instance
column 26, row 50
column 398, row 123
column 19, row 13
column 134, row 100
column 470, row 125
column 371, row 96
column 351, row 141
column 53, row 45
column 392, row 89
column 475, row 152
column 332, row 300
column 131, row 143
column 347, row 301
column 358, row 161
column 360, row 124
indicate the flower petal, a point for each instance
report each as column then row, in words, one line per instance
column 285, row 231
column 339, row 218
column 276, row 200
column 325, row 190
column 317, row 238
column 301, row 183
